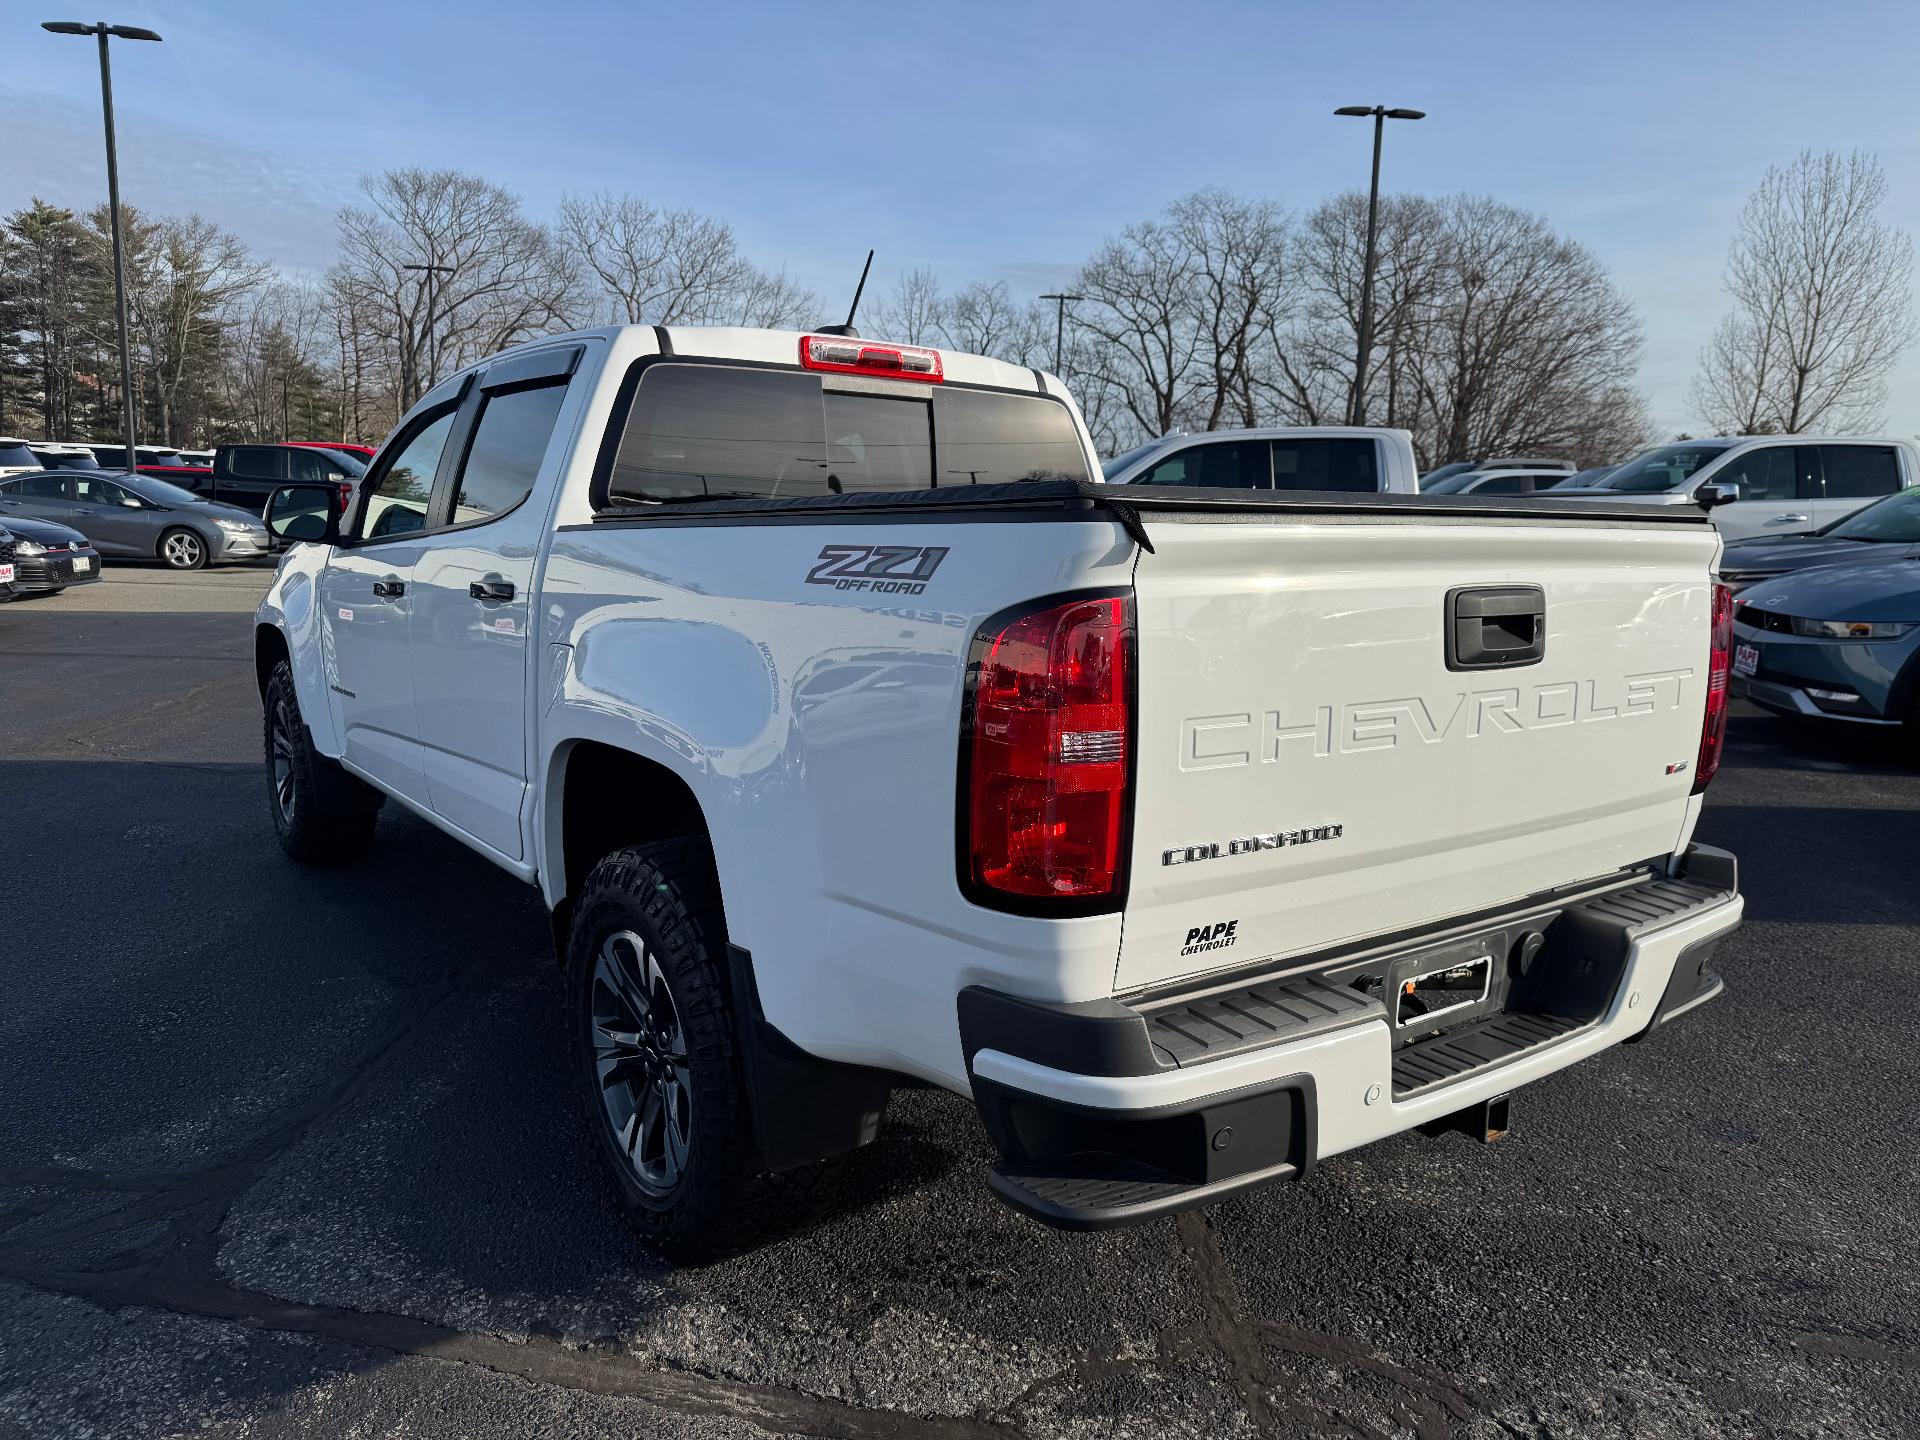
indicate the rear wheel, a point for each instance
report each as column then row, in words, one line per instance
column 320, row 813
column 658, row 1060
column 183, row 550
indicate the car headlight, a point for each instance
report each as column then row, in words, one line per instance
column 1851, row 629
column 237, row 527
column 29, row 548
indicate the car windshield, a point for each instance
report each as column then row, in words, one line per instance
column 1445, row 472
column 1895, row 519
column 163, row 492
column 1661, row 470
column 1119, row 463
column 350, row 463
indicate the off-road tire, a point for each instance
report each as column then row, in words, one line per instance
column 665, row 893
column 321, row 814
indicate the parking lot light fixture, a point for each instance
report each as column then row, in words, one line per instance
column 103, row 32
column 1381, row 114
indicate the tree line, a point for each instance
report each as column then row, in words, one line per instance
column 1493, row 332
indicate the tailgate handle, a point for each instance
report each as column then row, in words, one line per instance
column 1495, row 627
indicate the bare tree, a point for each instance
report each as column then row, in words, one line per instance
column 1822, row 303
column 1175, row 307
column 768, row 300
column 914, row 311
column 658, row 267
column 509, row 280
column 197, row 273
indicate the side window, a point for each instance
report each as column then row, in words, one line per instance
column 1228, row 465
column 44, row 487
column 1857, row 472
column 396, row 500
column 1315, row 462
column 1769, row 473
column 720, row 430
column 509, row 442
column 255, row 462
column 89, row 490
column 309, row 467
column 1505, row 485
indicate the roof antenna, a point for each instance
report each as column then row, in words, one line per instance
column 847, row 329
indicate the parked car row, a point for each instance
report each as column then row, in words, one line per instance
column 138, row 516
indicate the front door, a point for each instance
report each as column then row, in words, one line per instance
column 115, row 526
column 1779, row 486
column 366, row 594
column 472, row 597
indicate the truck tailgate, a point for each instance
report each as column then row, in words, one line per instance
column 1312, row 770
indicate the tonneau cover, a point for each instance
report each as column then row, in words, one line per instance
column 1164, row 502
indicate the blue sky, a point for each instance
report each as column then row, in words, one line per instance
column 988, row 140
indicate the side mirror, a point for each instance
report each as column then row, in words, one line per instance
column 303, row 512
column 334, row 477
column 130, row 503
column 1710, row 495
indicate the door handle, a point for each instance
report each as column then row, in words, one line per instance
column 389, row 589
column 491, row 589
column 1791, row 520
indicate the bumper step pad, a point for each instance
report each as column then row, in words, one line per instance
column 1101, row 1192
column 1455, row 1053
column 1272, row 1013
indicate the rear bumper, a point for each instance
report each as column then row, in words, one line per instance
column 1104, row 1117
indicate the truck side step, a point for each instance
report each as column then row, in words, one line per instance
column 1093, row 1191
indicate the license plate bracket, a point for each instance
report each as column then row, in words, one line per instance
column 1439, row 988
column 1746, row 659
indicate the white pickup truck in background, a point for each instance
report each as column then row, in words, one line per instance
column 854, row 732
column 1364, row 459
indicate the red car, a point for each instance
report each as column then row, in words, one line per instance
column 365, row 452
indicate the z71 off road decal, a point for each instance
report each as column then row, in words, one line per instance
column 881, row 569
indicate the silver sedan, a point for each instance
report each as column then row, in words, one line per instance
column 136, row 515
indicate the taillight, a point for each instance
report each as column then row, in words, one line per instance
column 1713, row 730
column 1047, row 755
column 859, row 357
column 346, row 496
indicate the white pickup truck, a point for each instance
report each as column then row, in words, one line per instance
column 857, row 736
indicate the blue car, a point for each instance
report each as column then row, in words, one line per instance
column 1838, row 641
column 1888, row 529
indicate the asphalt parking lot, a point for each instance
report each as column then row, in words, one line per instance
column 291, row 1153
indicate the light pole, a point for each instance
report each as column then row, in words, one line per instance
column 1060, row 303
column 433, row 341
column 125, row 32
column 1381, row 114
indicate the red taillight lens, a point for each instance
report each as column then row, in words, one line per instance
column 1048, row 753
column 1713, row 730
column 346, row 496
column 859, row 357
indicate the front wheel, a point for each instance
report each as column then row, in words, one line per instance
column 658, row 1060
column 183, row 550
column 321, row 814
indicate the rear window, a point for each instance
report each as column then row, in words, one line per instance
column 722, row 430
column 14, row 454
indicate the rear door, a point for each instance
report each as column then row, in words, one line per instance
column 1326, row 462
column 472, row 595
column 1313, row 768
column 249, row 475
column 47, row 496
